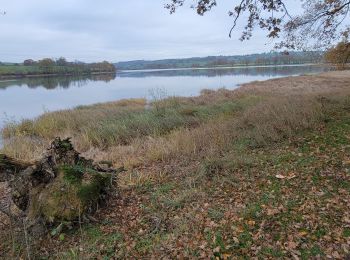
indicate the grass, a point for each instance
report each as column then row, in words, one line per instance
column 119, row 123
column 258, row 172
column 93, row 239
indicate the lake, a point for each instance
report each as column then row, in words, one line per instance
column 31, row 97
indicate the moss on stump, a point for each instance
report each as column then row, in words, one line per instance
column 62, row 186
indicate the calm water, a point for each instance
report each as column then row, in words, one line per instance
column 28, row 98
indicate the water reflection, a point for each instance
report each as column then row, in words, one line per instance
column 228, row 71
column 57, row 82
column 80, row 81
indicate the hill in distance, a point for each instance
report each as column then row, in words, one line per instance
column 270, row 58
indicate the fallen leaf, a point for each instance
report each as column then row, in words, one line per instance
column 292, row 245
column 302, row 233
column 216, row 249
column 291, row 176
column 335, row 254
column 251, row 222
column 280, row 176
column 271, row 212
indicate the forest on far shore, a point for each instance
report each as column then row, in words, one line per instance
column 50, row 66
column 270, row 58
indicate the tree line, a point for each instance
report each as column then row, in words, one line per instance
column 49, row 65
column 271, row 58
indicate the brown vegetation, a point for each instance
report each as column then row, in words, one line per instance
column 339, row 55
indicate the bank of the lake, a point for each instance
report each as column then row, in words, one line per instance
column 28, row 98
column 260, row 171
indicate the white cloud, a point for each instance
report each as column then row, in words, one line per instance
column 116, row 30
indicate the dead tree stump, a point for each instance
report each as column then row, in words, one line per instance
column 61, row 187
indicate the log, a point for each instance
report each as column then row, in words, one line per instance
column 61, row 187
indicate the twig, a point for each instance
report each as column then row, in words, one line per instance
column 26, row 239
column 11, row 228
column 81, row 230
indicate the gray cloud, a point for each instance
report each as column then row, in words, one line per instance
column 116, row 30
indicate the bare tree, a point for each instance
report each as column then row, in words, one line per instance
column 321, row 23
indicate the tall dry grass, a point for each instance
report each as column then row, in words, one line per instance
column 279, row 118
column 116, row 124
column 73, row 120
column 268, row 122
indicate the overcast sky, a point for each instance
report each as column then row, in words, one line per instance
column 116, row 30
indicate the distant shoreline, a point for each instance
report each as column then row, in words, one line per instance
column 22, row 76
column 227, row 67
column 52, row 68
column 270, row 58
column 40, row 75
